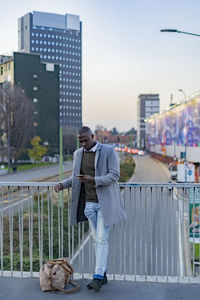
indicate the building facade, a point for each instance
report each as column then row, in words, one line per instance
column 40, row 82
column 147, row 105
column 58, row 39
column 175, row 133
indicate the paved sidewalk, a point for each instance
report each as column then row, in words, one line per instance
column 29, row 288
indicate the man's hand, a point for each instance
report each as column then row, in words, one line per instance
column 58, row 187
column 87, row 179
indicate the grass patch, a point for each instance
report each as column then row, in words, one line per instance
column 16, row 240
column 127, row 168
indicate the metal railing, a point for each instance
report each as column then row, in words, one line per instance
column 159, row 240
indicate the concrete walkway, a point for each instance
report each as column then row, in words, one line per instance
column 29, row 288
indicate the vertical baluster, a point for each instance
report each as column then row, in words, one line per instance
column 145, row 232
column 177, row 234
column 59, row 239
column 48, row 213
column 42, row 227
column 31, row 230
column 131, row 199
column 141, row 236
column 52, row 195
column 39, row 226
column 135, row 230
column 2, row 228
column 68, row 221
column 62, row 207
column 161, row 229
column 151, row 230
column 82, row 260
column 21, row 229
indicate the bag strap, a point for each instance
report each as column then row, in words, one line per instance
column 69, row 291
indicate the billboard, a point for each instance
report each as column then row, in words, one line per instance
column 180, row 126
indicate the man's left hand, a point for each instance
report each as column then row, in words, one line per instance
column 87, row 179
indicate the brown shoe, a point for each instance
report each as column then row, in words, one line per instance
column 95, row 284
column 104, row 281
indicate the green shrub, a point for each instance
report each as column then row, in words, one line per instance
column 127, row 168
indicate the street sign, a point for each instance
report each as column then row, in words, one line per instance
column 186, row 172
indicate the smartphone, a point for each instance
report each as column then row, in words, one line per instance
column 80, row 175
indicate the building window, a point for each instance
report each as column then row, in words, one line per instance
column 35, row 88
column 35, row 100
column 35, row 76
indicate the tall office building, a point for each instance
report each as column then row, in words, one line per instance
column 147, row 105
column 58, row 39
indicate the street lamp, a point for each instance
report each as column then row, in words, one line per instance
column 180, row 90
column 179, row 31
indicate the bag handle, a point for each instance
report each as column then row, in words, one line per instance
column 63, row 264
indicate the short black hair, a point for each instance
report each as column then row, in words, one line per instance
column 85, row 129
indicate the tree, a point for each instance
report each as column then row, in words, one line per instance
column 132, row 131
column 37, row 150
column 114, row 131
column 69, row 140
column 16, row 121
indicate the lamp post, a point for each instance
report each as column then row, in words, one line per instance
column 179, row 31
column 180, row 90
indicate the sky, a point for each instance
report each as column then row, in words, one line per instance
column 124, row 52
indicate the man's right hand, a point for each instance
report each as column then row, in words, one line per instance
column 58, row 187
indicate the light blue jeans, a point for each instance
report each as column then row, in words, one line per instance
column 100, row 234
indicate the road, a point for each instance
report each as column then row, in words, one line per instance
column 36, row 174
column 48, row 173
column 147, row 243
column 149, row 170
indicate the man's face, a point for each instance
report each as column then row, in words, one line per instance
column 86, row 140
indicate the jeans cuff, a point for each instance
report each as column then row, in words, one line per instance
column 97, row 276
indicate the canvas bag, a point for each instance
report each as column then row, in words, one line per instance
column 56, row 274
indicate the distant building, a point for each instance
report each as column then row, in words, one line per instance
column 105, row 136
column 147, row 105
column 41, row 84
column 58, row 39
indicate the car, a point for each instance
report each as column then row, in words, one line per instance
column 140, row 152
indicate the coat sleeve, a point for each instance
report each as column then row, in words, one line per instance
column 113, row 170
column 67, row 183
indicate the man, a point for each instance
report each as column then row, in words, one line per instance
column 95, row 196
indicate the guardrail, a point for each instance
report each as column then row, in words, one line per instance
column 159, row 241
